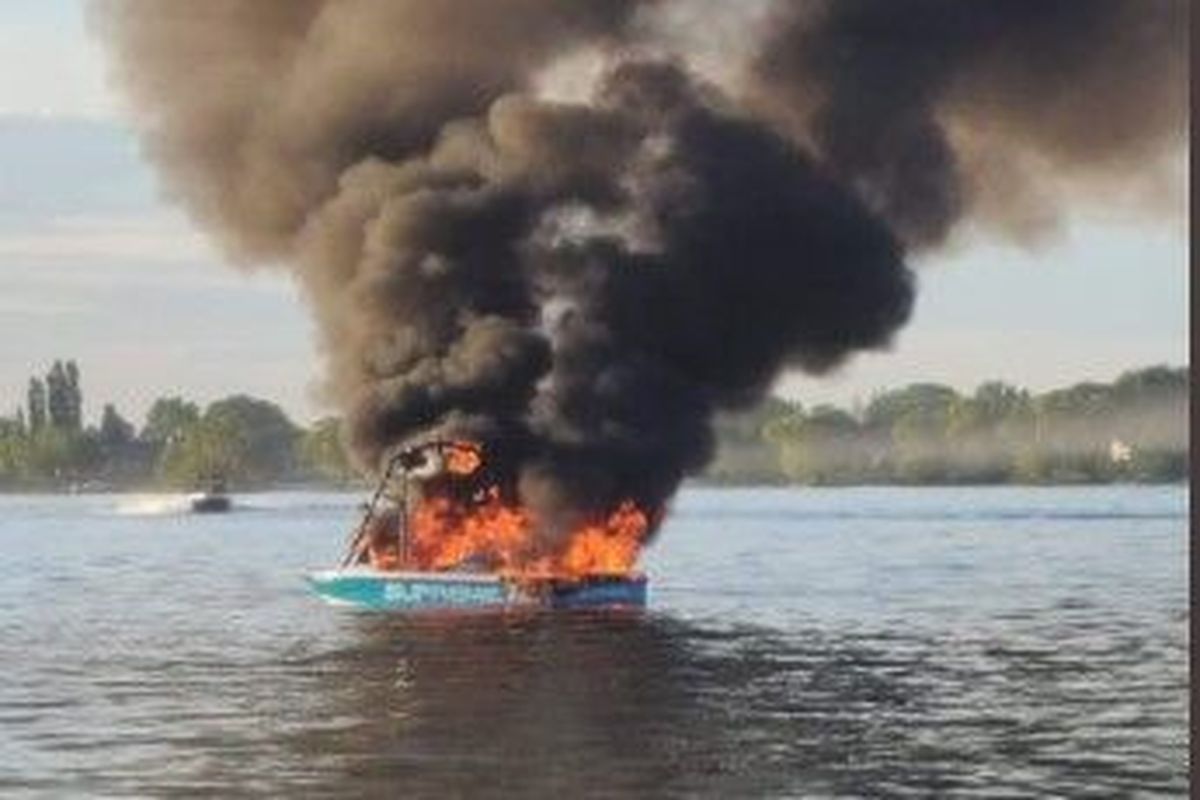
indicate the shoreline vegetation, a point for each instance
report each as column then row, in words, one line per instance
column 1132, row 430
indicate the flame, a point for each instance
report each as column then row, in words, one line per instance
column 463, row 458
column 608, row 549
column 460, row 523
column 446, row 534
column 493, row 536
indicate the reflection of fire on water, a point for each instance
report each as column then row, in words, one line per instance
column 458, row 521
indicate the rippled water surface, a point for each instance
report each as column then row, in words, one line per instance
column 833, row 643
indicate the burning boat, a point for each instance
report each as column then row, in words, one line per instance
column 460, row 544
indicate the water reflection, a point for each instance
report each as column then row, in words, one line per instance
column 594, row 705
column 535, row 704
column 589, row 705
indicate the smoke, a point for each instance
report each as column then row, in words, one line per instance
column 935, row 109
column 580, row 283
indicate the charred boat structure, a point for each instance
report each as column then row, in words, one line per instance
column 387, row 565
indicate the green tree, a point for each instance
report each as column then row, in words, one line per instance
column 322, row 453
column 115, row 431
column 55, row 455
column 922, row 400
column 55, row 448
column 1151, row 408
column 167, row 418
column 908, row 430
column 1150, row 382
column 1075, row 428
column 268, row 436
column 74, row 398
column 36, row 399
column 58, row 399
column 1156, row 465
column 994, row 402
column 210, row 449
column 988, row 433
column 13, row 457
column 123, row 459
column 822, row 447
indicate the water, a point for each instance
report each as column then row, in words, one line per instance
column 831, row 643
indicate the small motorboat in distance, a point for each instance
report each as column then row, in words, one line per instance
column 213, row 500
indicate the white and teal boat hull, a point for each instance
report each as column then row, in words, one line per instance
column 363, row 587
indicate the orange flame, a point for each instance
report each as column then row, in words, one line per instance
column 446, row 535
column 446, row 531
column 492, row 536
column 463, row 459
column 608, row 549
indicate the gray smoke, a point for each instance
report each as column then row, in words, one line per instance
column 578, row 285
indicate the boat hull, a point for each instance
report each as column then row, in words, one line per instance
column 414, row 591
column 628, row 592
column 209, row 504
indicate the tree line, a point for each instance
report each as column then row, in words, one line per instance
column 244, row 441
column 1134, row 428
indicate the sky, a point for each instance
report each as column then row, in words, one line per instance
column 96, row 265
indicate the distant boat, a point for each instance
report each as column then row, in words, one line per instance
column 213, row 500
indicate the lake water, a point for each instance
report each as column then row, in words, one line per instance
column 999, row 642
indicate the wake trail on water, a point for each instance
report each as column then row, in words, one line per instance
column 170, row 504
column 153, row 505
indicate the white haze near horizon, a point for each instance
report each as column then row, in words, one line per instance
column 96, row 266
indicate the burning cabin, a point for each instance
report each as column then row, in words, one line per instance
column 437, row 534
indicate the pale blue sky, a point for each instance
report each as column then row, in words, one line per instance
column 93, row 265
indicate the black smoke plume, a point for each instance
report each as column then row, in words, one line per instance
column 577, row 284
column 932, row 109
